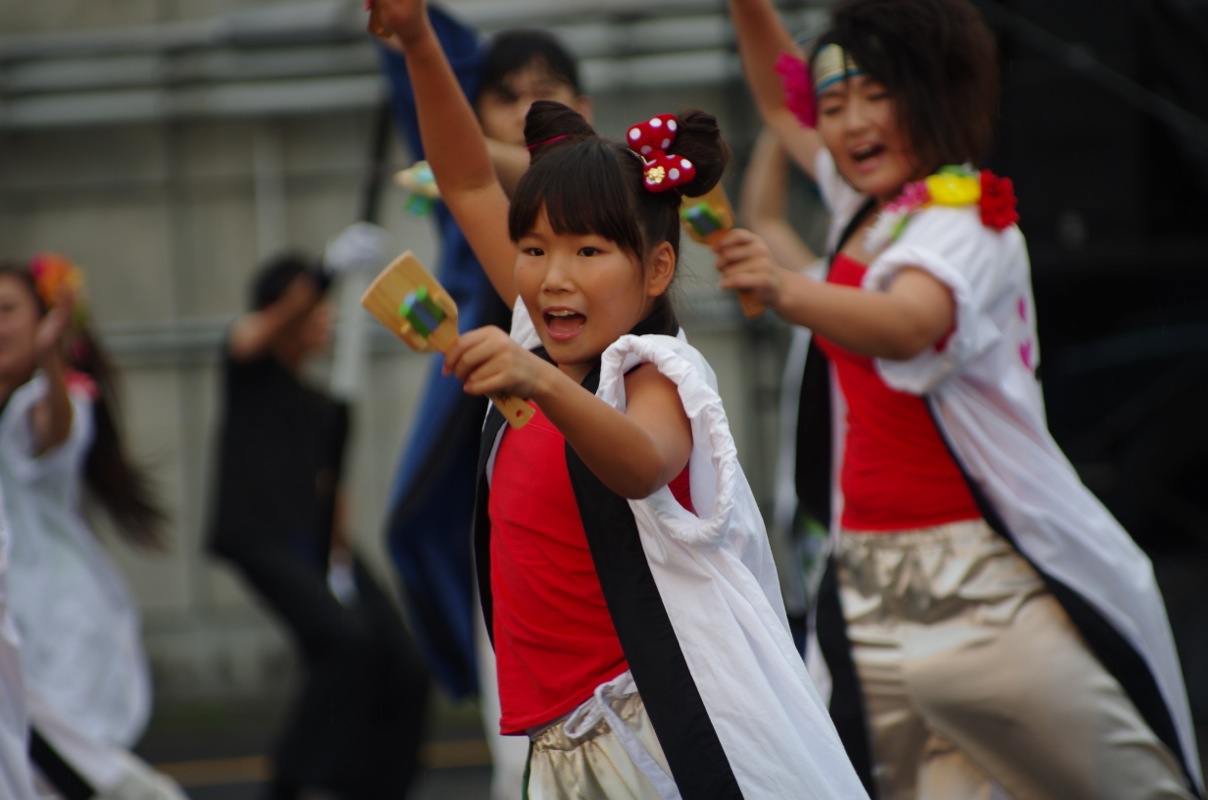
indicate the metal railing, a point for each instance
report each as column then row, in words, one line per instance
column 315, row 57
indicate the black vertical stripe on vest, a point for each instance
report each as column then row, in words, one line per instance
column 61, row 775
column 814, row 487
column 482, row 519
column 694, row 753
column 814, row 447
column 846, row 701
column 1114, row 652
column 815, row 484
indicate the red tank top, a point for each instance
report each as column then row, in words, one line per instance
column 897, row 473
column 554, row 638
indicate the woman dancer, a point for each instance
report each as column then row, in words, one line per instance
column 993, row 620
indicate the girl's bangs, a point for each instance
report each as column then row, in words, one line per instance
column 583, row 191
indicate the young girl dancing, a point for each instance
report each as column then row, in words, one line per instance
column 996, row 623
column 625, row 573
column 87, row 683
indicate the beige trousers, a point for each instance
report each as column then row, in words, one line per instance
column 973, row 675
column 603, row 750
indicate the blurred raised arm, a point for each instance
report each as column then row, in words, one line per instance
column 454, row 143
column 762, row 37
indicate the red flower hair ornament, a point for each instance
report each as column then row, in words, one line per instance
column 651, row 140
column 54, row 273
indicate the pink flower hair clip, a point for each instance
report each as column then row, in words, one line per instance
column 651, row 140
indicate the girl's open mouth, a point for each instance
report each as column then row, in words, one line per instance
column 867, row 152
column 563, row 323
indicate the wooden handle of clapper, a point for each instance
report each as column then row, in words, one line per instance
column 716, row 199
column 385, row 297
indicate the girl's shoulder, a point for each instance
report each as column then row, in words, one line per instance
column 677, row 344
column 671, row 355
column 962, row 201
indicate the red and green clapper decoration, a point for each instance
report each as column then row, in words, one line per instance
column 410, row 303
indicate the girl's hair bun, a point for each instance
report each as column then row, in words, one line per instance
column 549, row 123
column 699, row 140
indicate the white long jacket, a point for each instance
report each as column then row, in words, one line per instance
column 983, row 392
column 718, row 582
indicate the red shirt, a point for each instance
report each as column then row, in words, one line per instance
column 897, row 472
column 554, row 638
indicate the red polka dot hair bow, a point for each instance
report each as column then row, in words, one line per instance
column 651, row 140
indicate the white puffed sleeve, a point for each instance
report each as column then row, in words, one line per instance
column 982, row 269
column 715, row 475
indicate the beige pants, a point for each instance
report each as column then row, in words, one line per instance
column 973, row 675
column 603, row 750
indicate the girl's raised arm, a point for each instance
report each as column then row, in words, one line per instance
column 454, row 144
column 254, row 333
column 51, row 417
column 762, row 37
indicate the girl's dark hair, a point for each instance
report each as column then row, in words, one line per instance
column 510, row 51
column 938, row 60
column 122, row 488
column 587, row 184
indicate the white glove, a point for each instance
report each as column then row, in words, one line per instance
column 341, row 582
column 360, row 246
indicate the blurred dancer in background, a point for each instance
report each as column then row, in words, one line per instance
column 355, row 729
column 87, row 682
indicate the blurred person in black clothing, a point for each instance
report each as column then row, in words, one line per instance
column 357, row 724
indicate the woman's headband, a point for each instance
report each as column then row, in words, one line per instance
column 801, row 88
column 831, row 65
